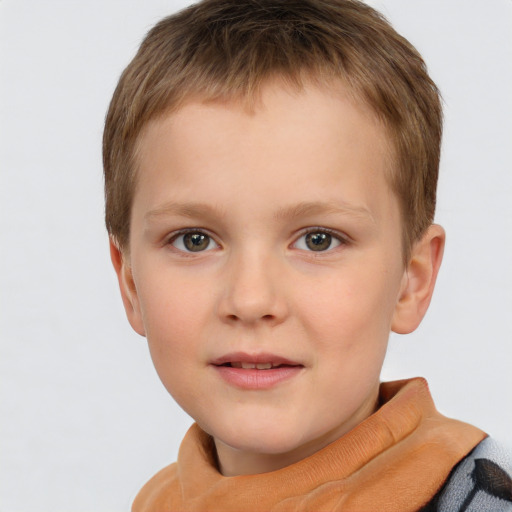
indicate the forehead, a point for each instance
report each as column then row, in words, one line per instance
column 281, row 146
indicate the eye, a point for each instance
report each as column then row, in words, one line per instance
column 318, row 241
column 193, row 241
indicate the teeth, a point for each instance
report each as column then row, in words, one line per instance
column 252, row 366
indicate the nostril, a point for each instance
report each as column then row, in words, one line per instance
column 234, row 318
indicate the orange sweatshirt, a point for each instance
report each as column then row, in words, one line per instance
column 396, row 460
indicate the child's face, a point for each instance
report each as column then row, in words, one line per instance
column 268, row 237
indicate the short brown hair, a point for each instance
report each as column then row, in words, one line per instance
column 224, row 49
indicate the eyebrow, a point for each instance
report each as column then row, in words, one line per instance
column 191, row 210
column 198, row 210
column 305, row 209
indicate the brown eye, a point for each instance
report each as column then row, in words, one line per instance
column 194, row 241
column 318, row 241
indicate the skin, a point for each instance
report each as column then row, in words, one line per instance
column 257, row 182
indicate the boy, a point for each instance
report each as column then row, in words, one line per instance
column 271, row 171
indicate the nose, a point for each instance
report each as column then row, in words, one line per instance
column 254, row 290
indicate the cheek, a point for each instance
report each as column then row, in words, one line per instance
column 172, row 321
column 172, row 334
column 171, row 304
column 355, row 311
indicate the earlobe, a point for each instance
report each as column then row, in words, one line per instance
column 127, row 288
column 419, row 280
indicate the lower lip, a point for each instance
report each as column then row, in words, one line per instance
column 257, row 379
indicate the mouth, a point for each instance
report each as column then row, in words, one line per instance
column 260, row 371
column 262, row 361
column 255, row 366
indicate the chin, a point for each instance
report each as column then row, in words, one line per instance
column 267, row 445
column 274, row 438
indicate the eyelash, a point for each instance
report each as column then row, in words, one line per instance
column 191, row 231
column 335, row 236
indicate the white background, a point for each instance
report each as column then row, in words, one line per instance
column 84, row 420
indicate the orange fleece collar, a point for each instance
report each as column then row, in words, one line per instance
column 396, row 459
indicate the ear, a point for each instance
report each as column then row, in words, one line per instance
column 419, row 280
column 127, row 286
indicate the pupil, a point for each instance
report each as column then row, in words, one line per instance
column 318, row 241
column 196, row 241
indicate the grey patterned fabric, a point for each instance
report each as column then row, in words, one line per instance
column 481, row 482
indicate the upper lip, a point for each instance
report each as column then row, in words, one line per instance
column 262, row 357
